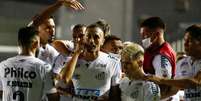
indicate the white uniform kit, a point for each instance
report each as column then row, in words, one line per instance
column 138, row 90
column 58, row 65
column 94, row 79
column 188, row 68
column 47, row 54
column 25, row 78
column 162, row 66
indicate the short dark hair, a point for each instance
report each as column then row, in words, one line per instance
column 78, row 26
column 104, row 26
column 195, row 31
column 153, row 22
column 94, row 26
column 26, row 36
column 110, row 38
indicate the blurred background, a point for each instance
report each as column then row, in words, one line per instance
column 123, row 15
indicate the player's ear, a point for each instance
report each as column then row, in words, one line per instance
column 35, row 44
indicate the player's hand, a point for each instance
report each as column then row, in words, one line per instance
column 74, row 4
column 79, row 46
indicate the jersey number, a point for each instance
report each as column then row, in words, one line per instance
column 20, row 94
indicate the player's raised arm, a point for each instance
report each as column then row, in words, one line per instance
column 69, row 67
column 46, row 13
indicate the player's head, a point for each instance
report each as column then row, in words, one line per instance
column 28, row 38
column 151, row 31
column 112, row 44
column 94, row 38
column 132, row 57
column 78, row 33
column 192, row 41
column 104, row 26
column 47, row 31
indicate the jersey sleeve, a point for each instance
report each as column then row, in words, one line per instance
column 54, row 54
column 117, row 74
column 152, row 92
column 59, row 64
column 48, row 80
column 162, row 66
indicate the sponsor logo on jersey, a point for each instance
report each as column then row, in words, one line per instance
column 193, row 93
column 87, row 92
column 101, row 76
column 19, row 73
column 16, row 72
column 164, row 62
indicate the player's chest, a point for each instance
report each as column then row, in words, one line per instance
column 93, row 71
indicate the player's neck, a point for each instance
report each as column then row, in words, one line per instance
column 27, row 52
column 91, row 56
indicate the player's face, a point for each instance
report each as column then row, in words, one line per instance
column 146, row 32
column 114, row 46
column 94, row 39
column 47, row 31
column 192, row 46
column 131, row 66
column 78, row 35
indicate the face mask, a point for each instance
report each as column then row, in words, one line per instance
column 146, row 42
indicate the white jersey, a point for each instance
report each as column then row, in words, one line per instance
column 94, row 79
column 162, row 66
column 47, row 54
column 188, row 68
column 58, row 65
column 138, row 90
column 25, row 78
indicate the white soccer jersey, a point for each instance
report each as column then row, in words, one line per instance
column 138, row 90
column 58, row 65
column 47, row 54
column 188, row 68
column 162, row 66
column 94, row 79
column 25, row 78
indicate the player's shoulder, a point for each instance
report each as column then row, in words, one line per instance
column 110, row 57
column 8, row 60
column 184, row 61
column 38, row 63
column 50, row 48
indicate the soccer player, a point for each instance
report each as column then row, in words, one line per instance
column 24, row 77
column 188, row 75
column 135, row 89
column 112, row 44
column 66, row 47
column 96, row 75
column 46, row 27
